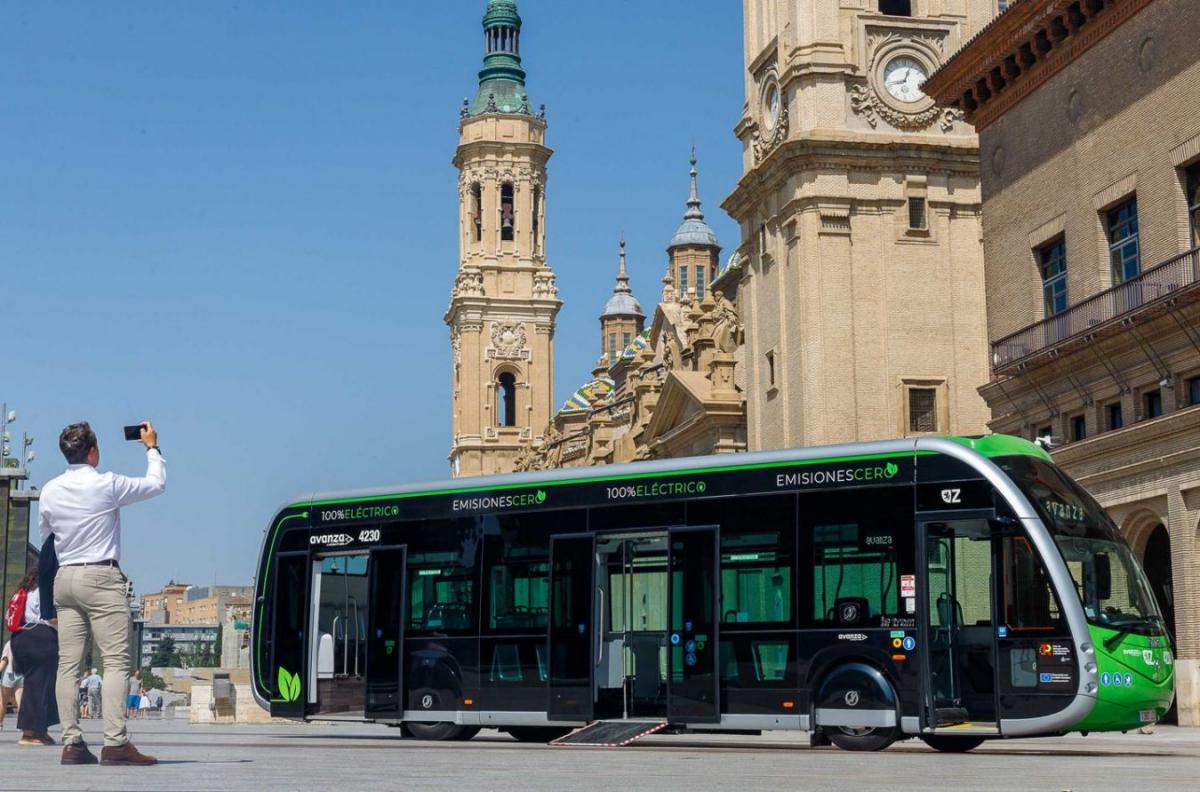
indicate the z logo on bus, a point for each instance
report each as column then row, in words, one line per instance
column 952, row 496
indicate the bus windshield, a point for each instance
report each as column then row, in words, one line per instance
column 1110, row 582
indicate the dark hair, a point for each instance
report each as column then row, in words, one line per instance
column 75, row 442
column 30, row 581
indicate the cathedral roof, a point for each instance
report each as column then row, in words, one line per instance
column 622, row 302
column 693, row 230
column 583, row 398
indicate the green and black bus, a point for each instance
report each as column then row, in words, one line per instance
column 950, row 589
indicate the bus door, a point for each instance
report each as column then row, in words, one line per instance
column 958, row 621
column 692, row 604
column 387, row 596
column 338, row 652
column 574, row 640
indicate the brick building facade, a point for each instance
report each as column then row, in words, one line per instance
column 1090, row 150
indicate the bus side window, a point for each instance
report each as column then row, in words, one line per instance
column 758, row 537
column 862, row 542
column 442, row 577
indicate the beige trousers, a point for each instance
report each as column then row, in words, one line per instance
column 92, row 599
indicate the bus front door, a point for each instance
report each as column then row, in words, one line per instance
column 387, row 596
column 574, row 637
column 692, row 604
column 959, row 624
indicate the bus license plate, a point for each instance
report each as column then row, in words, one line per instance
column 1146, row 716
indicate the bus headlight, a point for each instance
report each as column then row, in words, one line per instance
column 1090, row 687
column 1090, row 668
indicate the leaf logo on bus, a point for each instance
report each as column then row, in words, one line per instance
column 289, row 685
column 539, row 497
column 891, row 469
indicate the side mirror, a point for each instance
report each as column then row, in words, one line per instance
column 1103, row 577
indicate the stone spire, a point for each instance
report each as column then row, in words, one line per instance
column 502, row 79
column 622, row 302
column 693, row 230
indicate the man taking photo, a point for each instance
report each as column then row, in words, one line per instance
column 82, row 510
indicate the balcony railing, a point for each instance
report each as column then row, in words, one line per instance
column 1155, row 283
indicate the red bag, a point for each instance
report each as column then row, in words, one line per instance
column 14, row 616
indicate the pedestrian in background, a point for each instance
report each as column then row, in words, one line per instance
column 93, row 684
column 35, row 655
column 135, row 694
column 81, row 509
column 83, row 698
column 10, row 684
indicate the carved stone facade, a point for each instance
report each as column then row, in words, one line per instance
column 504, row 301
column 860, row 268
column 672, row 390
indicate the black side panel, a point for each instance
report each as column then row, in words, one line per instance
column 693, row 644
column 289, row 629
column 573, row 638
column 385, row 635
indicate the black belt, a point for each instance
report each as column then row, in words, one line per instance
column 108, row 563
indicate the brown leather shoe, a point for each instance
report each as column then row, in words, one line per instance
column 125, row 755
column 78, row 754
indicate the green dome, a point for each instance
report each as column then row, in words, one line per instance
column 502, row 79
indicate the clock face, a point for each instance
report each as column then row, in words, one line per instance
column 903, row 78
column 771, row 104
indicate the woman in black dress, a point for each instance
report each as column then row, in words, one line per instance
column 35, row 652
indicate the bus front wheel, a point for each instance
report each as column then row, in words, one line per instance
column 868, row 738
column 537, row 734
column 437, row 732
column 947, row 744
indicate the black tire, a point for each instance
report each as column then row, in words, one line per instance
column 467, row 733
column 864, row 739
column 537, row 734
column 949, row 744
column 433, row 732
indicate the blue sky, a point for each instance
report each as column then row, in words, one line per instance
column 238, row 219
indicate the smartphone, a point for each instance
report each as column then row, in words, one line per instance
column 134, row 432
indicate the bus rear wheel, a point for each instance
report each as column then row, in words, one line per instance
column 867, row 738
column 437, row 732
column 947, row 744
column 536, row 734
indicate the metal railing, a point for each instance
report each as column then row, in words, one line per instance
column 1159, row 281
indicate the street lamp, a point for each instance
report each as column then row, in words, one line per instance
column 7, row 417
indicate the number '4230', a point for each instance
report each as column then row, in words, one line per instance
column 370, row 535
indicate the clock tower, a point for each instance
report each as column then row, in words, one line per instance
column 860, row 265
column 504, row 301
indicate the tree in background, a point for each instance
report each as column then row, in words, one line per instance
column 151, row 681
column 165, row 654
column 219, row 646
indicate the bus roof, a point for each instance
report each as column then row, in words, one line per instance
column 986, row 445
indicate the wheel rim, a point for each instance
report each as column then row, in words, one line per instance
column 857, row 731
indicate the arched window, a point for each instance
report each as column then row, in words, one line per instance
column 506, row 399
column 536, row 222
column 477, row 210
column 508, row 213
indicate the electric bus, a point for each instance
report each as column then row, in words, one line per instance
column 949, row 589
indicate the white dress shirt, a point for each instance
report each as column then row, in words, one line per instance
column 33, row 609
column 82, row 508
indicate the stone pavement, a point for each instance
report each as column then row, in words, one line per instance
column 347, row 757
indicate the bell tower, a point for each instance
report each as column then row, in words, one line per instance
column 504, row 301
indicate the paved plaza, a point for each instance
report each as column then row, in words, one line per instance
column 348, row 757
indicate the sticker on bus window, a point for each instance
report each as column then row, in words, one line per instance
column 908, row 585
column 910, row 604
